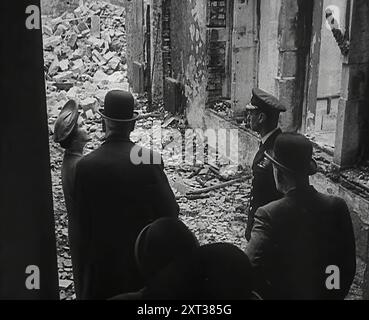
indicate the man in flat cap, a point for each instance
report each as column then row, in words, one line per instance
column 115, row 199
column 302, row 246
column 263, row 117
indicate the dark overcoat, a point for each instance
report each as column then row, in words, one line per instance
column 114, row 200
column 263, row 190
column 68, row 173
column 294, row 241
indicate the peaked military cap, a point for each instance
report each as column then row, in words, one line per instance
column 265, row 101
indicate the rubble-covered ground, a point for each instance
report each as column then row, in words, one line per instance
column 84, row 59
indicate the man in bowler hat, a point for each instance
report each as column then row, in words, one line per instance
column 115, row 199
column 299, row 240
column 263, row 116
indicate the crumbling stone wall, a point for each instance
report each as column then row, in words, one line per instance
column 189, row 54
column 157, row 65
column 135, row 36
column 216, row 48
column 166, row 39
column 359, row 61
column 294, row 33
column 268, row 50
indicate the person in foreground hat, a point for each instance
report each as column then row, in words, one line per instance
column 159, row 244
column 263, row 117
column 73, row 139
column 115, row 199
column 219, row 271
column 295, row 239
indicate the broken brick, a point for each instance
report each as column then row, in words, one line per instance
column 72, row 39
column 82, row 26
column 63, row 76
column 109, row 55
column 54, row 67
column 73, row 93
column 64, row 65
column 95, row 42
column 89, row 114
column 95, row 26
column 52, row 41
column 114, row 63
column 60, row 30
column 78, row 66
column 47, row 30
column 89, row 104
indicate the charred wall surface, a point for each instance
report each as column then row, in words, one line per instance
column 189, row 54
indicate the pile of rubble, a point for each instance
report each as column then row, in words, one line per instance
column 84, row 54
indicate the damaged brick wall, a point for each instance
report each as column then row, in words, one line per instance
column 157, row 65
column 359, row 88
column 216, row 48
column 294, row 34
column 189, row 54
column 166, row 39
column 135, row 38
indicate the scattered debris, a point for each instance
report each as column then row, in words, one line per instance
column 85, row 46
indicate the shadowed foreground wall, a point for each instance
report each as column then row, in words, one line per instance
column 27, row 233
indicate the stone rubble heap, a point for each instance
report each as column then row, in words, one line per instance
column 84, row 54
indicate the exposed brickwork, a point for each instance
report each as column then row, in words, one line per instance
column 166, row 42
column 216, row 15
column 216, row 49
column 216, row 65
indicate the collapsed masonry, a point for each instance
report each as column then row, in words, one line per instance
column 84, row 52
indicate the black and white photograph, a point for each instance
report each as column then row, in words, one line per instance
column 180, row 156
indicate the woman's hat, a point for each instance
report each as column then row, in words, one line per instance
column 293, row 153
column 67, row 121
column 119, row 107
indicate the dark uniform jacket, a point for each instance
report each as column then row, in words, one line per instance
column 114, row 200
column 295, row 239
column 263, row 189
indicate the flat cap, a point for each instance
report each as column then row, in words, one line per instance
column 265, row 101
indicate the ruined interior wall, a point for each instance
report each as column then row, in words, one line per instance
column 269, row 53
column 217, row 47
column 330, row 55
column 157, row 82
column 294, row 34
column 359, row 81
column 135, row 36
column 188, row 55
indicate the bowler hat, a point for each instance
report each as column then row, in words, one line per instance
column 293, row 153
column 66, row 122
column 264, row 101
column 119, row 107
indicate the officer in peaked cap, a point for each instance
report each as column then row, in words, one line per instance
column 263, row 117
column 72, row 139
